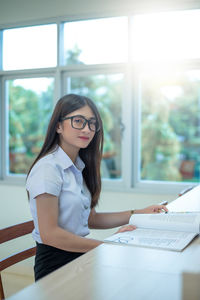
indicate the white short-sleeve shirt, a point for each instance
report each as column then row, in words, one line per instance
column 57, row 175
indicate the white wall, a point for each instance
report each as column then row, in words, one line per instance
column 15, row 205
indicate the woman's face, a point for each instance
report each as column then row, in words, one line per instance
column 71, row 139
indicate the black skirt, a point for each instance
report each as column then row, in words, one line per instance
column 49, row 259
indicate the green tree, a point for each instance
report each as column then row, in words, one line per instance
column 28, row 118
column 170, row 127
column 160, row 145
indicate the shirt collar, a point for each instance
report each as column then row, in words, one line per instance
column 66, row 162
column 79, row 163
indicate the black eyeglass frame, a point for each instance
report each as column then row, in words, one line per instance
column 86, row 121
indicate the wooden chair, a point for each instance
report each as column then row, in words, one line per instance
column 11, row 233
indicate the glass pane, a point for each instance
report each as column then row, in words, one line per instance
column 30, row 107
column 30, row 47
column 171, row 126
column 96, row 41
column 106, row 92
column 164, row 36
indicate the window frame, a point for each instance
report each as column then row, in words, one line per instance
column 130, row 161
column 12, row 178
column 150, row 186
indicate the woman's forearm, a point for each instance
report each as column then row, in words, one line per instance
column 108, row 220
column 62, row 239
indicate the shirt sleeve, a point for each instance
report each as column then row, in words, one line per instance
column 44, row 178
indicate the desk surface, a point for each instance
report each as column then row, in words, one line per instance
column 123, row 272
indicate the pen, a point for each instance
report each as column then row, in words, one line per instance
column 186, row 190
column 163, row 203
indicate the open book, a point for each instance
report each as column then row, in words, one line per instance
column 173, row 231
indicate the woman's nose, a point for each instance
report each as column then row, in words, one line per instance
column 86, row 128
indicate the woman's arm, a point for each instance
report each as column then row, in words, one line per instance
column 110, row 220
column 53, row 235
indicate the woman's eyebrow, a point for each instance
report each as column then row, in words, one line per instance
column 85, row 117
column 90, row 118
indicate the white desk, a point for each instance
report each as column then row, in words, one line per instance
column 113, row 272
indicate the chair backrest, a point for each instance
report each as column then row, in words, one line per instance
column 11, row 233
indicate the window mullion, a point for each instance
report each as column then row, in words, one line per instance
column 4, row 129
column 127, row 132
column 136, row 128
column 1, row 49
column 60, row 44
column 58, row 90
column 1, row 129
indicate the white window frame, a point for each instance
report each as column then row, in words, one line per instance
column 15, row 178
column 152, row 186
column 130, row 114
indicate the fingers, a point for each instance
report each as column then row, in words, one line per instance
column 161, row 208
column 164, row 208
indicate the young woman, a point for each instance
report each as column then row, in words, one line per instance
column 64, row 185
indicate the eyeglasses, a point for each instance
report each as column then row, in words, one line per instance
column 79, row 122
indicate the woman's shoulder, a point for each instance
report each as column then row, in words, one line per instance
column 46, row 160
column 45, row 171
column 45, row 177
column 54, row 162
column 47, row 163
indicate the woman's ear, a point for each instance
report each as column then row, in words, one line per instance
column 59, row 128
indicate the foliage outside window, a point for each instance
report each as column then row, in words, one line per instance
column 171, row 127
column 29, row 114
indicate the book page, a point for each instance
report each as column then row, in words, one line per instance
column 171, row 240
column 187, row 222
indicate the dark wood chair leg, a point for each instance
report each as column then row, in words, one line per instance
column 1, row 290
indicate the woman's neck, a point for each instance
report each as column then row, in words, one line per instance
column 72, row 153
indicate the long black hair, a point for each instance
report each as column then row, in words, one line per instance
column 91, row 155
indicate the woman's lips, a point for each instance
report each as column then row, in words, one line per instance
column 84, row 138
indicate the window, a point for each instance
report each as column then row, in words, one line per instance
column 30, row 103
column 30, row 47
column 84, row 40
column 166, row 47
column 166, row 36
column 143, row 73
column 170, row 136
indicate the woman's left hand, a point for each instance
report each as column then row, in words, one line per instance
column 153, row 209
column 126, row 228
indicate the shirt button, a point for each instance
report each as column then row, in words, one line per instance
column 85, row 206
column 85, row 225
